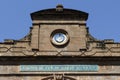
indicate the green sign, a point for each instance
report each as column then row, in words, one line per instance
column 59, row 68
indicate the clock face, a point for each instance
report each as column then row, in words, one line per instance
column 59, row 39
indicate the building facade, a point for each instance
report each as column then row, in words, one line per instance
column 59, row 47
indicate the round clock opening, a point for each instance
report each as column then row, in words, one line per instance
column 59, row 37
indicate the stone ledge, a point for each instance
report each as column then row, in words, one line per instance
column 55, row 22
column 65, row 73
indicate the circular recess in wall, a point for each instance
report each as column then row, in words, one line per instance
column 59, row 37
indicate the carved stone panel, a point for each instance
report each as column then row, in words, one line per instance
column 58, row 77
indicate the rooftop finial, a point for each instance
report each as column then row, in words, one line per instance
column 59, row 7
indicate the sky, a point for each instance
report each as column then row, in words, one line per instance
column 103, row 21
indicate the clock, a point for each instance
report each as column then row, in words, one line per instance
column 59, row 38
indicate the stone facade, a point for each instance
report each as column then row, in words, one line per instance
column 75, row 50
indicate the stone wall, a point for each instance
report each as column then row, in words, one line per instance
column 108, row 68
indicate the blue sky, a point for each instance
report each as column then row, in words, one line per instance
column 103, row 21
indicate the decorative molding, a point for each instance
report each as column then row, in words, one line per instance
column 58, row 77
column 22, row 51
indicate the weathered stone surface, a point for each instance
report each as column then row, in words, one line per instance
column 37, row 48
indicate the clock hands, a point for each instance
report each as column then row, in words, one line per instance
column 59, row 38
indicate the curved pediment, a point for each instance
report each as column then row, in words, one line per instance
column 59, row 14
column 45, row 39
